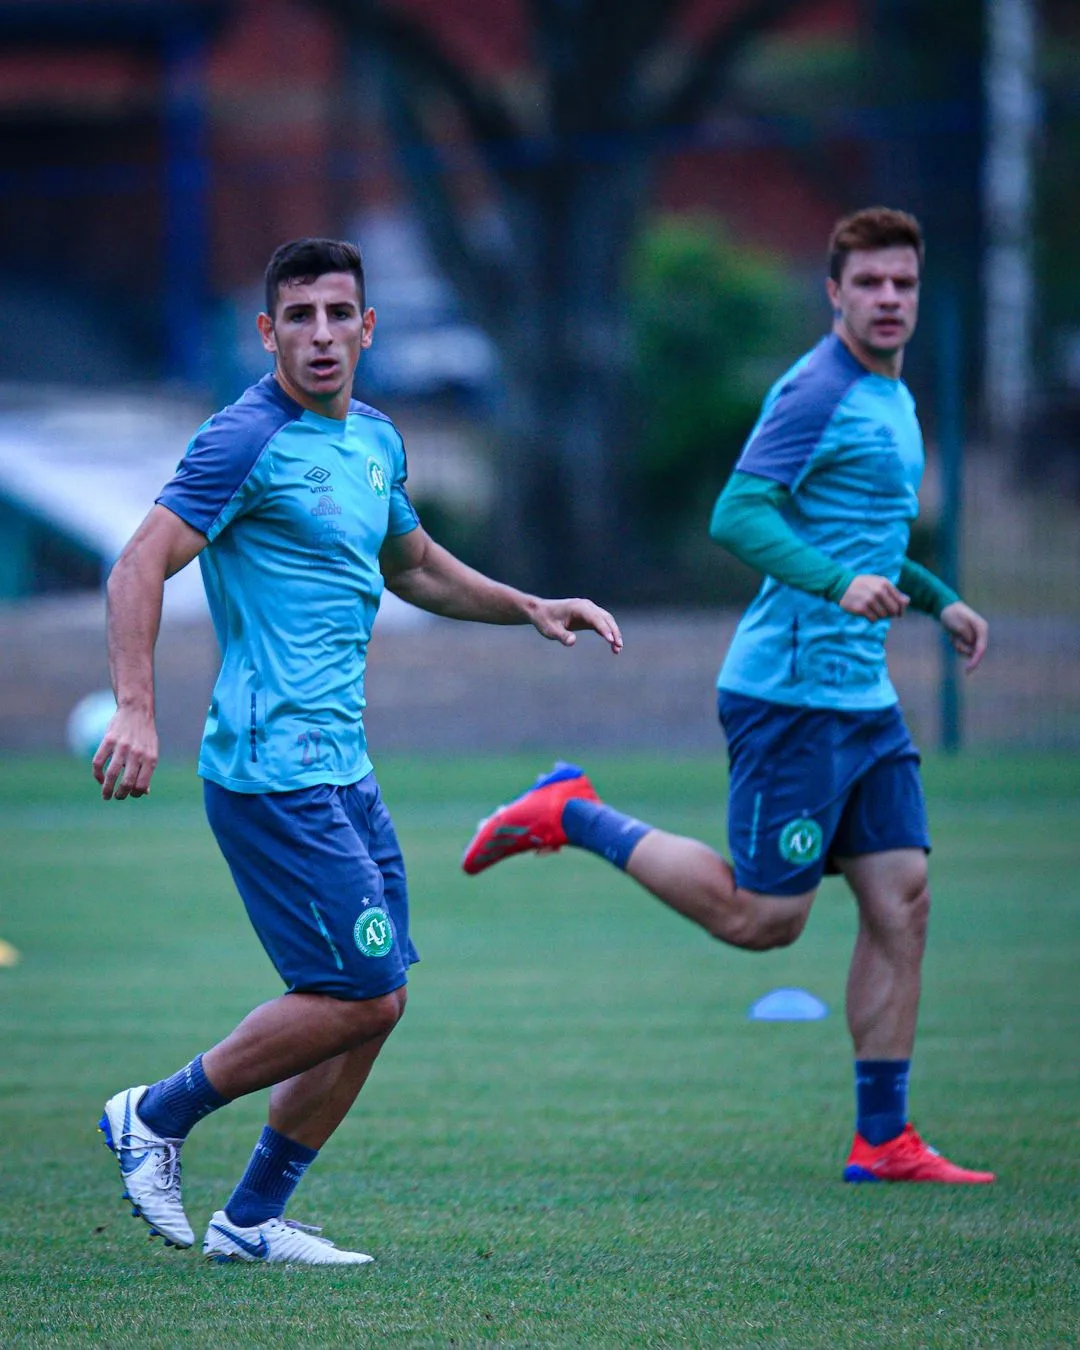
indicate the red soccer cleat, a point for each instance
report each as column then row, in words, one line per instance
column 906, row 1158
column 531, row 823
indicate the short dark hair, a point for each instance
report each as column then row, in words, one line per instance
column 874, row 227
column 306, row 259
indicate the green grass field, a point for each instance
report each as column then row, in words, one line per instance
column 576, row 1137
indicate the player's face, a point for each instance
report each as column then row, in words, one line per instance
column 876, row 303
column 316, row 334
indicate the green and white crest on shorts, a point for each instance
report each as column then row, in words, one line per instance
column 373, row 933
column 800, row 840
column 376, row 476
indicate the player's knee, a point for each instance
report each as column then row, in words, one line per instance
column 917, row 910
column 761, row 927
column 781, row 930
column 373, row 1018
column 905, row 919
column 788, row 928
column 388, row 1012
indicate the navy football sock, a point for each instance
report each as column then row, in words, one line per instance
column 881, row 1098
column 603, row 830
column 172, row 1106
column 272, row 1175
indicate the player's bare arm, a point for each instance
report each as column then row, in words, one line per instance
column 874, row 597
column 969, row 632
column 419, row 570
column 127, row 756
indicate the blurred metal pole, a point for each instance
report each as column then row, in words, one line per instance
column 1011, row 118
column 185, row 202
column 950, row 421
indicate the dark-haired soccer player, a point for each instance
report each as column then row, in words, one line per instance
column 824, row 775
column 294, row 501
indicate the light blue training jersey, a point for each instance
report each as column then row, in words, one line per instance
column 296, row 508
column 847, row 445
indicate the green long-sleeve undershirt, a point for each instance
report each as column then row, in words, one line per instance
column 748, row 521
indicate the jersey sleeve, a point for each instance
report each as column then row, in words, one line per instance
column 928, row 593
column 216, row 480
column 403, row 516
column 797, row 414
column 748, row 521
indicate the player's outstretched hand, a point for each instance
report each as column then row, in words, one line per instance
column 873, row 597
column 969, row 632
column 560, row 620
column 127, row 756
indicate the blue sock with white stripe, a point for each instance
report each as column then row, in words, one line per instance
column 602, row 830
column 172, row 1106
column 274, row 1172
column 881, row 1098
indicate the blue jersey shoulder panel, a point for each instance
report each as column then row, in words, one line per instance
column 366, row 410
column 224, row 451
column 797, row 411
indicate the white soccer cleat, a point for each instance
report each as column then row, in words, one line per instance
column 282, row 1240
column 150, row 1167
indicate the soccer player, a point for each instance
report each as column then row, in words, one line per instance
column 294, row 501
column 823, row 772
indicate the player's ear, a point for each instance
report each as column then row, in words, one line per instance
column 266, row 332
column 368, row 328
column 832, row 290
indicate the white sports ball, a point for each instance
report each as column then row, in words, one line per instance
column 87, row 722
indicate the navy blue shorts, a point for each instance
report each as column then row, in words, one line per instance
column 808, row 785
column 322, row 878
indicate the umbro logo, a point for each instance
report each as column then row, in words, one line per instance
column 317, row 475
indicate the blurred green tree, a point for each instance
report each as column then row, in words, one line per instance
column 715, row 322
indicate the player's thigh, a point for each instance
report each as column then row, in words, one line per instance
column 312, row 892
column 371, row 819
column 885, row 809
column 786, row 793
column 883, row 838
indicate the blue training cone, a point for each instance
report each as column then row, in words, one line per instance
column 788, row 1005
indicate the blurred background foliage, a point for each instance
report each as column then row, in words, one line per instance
column 594, row 236
column 714, row 323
